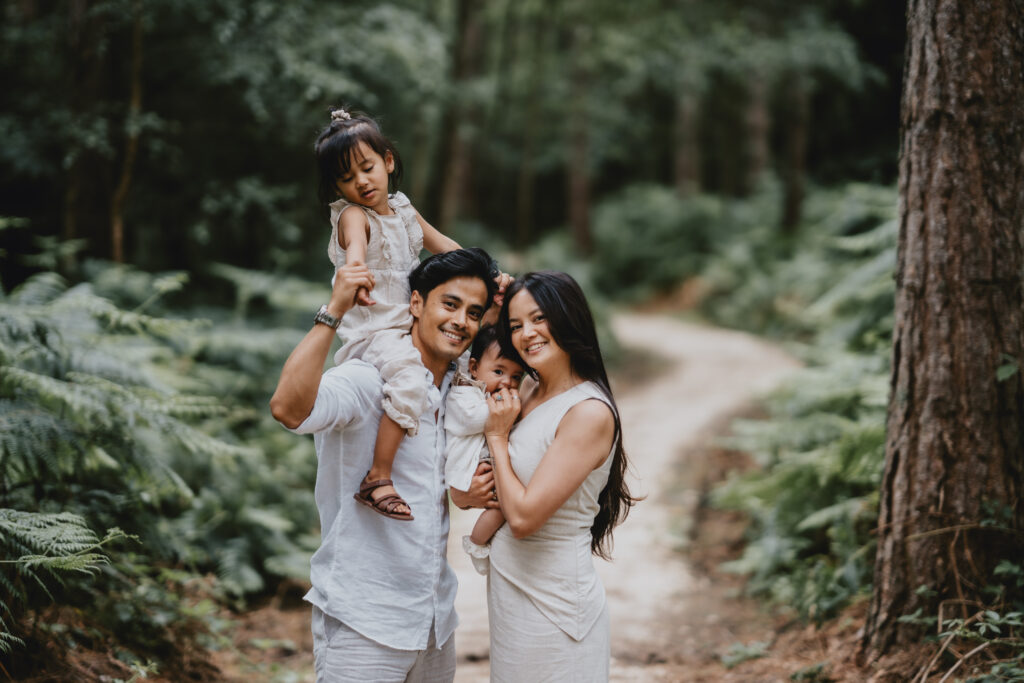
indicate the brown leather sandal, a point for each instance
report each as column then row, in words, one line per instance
column 385, row 505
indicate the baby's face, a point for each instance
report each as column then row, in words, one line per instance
column 496, row 371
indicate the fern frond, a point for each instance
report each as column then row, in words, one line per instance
column 39, row 289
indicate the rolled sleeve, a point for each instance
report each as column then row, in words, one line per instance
column 346, row 393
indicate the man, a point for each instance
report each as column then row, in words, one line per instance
column 383, row 593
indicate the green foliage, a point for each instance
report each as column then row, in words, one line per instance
column 115, row 415
column 821, row 448
column 648, row 238
column 743, row 652
column 44, row 547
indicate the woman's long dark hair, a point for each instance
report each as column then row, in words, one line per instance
column 571, row 324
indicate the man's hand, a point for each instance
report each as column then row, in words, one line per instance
column 300, row 377
column 491, row 315
column 352, row 283
column 481, row 492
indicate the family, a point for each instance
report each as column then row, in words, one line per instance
column 422, row 406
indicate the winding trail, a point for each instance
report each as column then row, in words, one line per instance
column 663, row 611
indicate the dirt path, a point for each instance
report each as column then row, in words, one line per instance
column 665, row 615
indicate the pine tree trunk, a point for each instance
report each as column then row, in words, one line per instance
column 955, row 439
column 456, row 159
column 795, row 161
column 578, row 171
column 132, row 142
column 686, row 143
column 87, row 181
column 758, row 128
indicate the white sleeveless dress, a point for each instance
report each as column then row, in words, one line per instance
column 379, row 334
column 546, row 605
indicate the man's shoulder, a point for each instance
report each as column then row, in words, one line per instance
column 355, row 377
column 355, row 370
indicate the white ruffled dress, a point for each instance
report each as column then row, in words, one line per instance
column 379, row 334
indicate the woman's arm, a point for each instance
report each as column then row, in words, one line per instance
column 582, row 442
column 434, row 240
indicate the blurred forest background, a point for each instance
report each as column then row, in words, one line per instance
column 162, row 250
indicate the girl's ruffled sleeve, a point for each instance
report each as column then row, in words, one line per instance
column 400, row 201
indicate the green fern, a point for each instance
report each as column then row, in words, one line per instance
column 821, row 448
column 43, row 547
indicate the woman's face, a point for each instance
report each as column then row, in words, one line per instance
column 531, row 336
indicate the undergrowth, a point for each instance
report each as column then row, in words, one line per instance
column 137, row 461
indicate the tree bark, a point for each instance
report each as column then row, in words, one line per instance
column 455, row 159
column 758, row 128
column 85, row 210
column 132, row 143
column 578, row 171
column 686, row 143
column 795, row 162
column 954, row 467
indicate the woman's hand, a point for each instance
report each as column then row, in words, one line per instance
column 504, row 406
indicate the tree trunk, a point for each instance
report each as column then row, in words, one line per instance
column 527, row 173
column 132, row 143
column 578, row 171
column 455, row 159
column 758, row 128
column 87, row 189
column 686, row 143
column 954, row 467
column 795, row 161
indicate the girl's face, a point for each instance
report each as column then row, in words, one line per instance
column 530, row 334
column 366, row 182
column 496, row 371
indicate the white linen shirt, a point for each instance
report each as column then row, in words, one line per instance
column 386, row 579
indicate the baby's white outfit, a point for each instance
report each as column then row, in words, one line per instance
column 379, row 334
column 465, row 414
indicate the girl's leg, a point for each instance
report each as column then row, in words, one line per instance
column 389, row 438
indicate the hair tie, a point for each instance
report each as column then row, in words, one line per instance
column 340, row 115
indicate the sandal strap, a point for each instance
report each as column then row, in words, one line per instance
column 368, row 486
column 390, row 502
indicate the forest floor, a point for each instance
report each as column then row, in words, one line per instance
column 675, row 615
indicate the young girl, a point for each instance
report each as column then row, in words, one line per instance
column 466, row 412
column 358, row 166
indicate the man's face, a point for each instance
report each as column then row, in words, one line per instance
column 449, row 318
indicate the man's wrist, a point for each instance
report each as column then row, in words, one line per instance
column 329, row 316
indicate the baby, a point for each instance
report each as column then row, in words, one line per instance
column 465, row 415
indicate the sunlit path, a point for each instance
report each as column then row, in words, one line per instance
column 658, row 607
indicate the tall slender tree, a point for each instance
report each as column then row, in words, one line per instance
column 951, row 504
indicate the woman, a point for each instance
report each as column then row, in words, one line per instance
column 559, row 479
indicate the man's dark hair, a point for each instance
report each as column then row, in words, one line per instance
column 440, row 268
